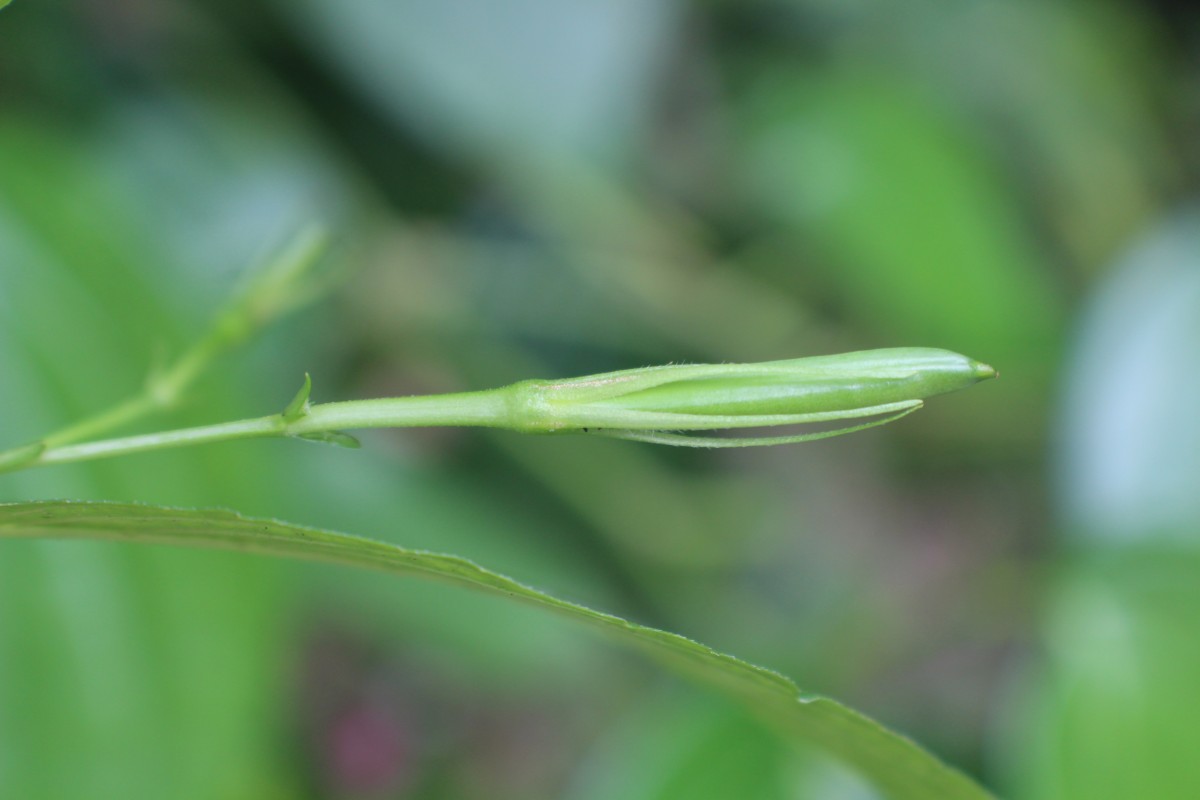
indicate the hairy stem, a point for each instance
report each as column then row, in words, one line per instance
column 488, row 408
column 274, row 288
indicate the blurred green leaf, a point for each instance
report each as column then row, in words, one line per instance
column 896, row 764
column 1062, row 93
column 126, row 672
column 1112, row 713
column 915, row 235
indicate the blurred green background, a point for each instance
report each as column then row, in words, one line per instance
column 534, row 189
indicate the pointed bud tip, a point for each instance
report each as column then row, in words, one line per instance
column 984, row 371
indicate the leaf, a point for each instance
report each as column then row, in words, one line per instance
column 137, row 673
column 897, row 765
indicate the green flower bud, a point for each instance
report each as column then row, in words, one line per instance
column 648, row 403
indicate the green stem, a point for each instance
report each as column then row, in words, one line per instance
column 488, row 408
column 118, row 416
column 273, row 291
column 161, row 393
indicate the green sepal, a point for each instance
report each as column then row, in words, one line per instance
column 685, row 440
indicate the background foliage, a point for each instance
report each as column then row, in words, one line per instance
column 537, row 188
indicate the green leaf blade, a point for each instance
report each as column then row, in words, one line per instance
column 897, row 765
